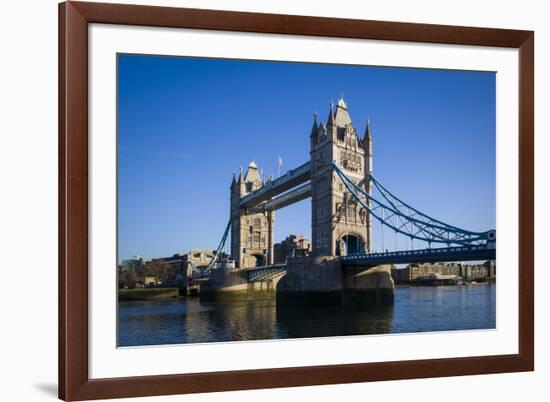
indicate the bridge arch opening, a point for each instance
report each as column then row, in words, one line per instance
column 259, row 260
column 351, row 244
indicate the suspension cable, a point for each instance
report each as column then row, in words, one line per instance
column 410, row 226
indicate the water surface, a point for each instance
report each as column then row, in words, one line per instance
column 416, row 309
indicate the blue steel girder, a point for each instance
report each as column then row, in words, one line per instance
column 399, row 205
column 406, row 220
column 265, row 273
column 444, row 254
column 203, row 272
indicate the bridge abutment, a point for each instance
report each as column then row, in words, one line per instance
column 368, row 285
column 311, row 280
column 233, row 285
column 322, row 280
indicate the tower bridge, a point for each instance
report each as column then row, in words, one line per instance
column 345, row 199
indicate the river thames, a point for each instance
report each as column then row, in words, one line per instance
column 416, row 309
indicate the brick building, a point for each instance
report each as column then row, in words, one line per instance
column 293, row 246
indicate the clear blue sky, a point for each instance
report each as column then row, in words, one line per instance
column 185, row 125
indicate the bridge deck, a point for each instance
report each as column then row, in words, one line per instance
column 263, row 273
column 449, row 254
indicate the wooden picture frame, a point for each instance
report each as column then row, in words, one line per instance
column 74, row 381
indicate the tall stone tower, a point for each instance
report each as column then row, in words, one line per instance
column 339, row 224
column 251, row 234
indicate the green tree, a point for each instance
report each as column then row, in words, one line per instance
column 158, row 269
column 127, row 278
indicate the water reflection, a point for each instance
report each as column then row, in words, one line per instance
column 233, row 321
column 311, row 321
column 415, row 310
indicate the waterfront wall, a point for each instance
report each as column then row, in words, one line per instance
column 147, row 294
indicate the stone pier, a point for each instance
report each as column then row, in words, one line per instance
column 368, row 285
column 322, row 280
column 232, row 285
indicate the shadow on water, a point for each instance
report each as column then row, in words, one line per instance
column 311, row 321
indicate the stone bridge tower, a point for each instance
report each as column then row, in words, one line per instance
column 339, row 224
column 251, row 234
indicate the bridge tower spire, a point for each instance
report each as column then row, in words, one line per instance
column 339, row 225
column 315, row 127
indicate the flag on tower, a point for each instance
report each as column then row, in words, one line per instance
column 280, row 161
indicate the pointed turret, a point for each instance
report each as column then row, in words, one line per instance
column 330, row 120
column 252, row 174
column 342, row 117
column 367, row 138
column 315, row 127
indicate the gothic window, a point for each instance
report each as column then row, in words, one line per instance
column 257, row 222
column 256, row 238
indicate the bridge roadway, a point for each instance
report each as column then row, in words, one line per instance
column 444, row 254
column 258, row 274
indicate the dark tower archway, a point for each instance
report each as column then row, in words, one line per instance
column 352, row 244
column 259, row 260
